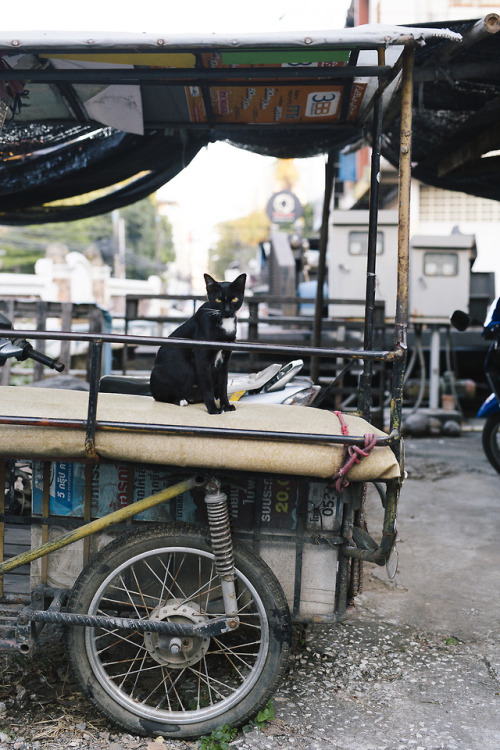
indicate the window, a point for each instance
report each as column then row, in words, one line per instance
column 447, row 205
column 441, row 264
column 358, row 243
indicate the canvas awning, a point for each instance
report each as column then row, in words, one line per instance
column 127, row 112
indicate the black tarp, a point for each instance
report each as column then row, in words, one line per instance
column 456, row 110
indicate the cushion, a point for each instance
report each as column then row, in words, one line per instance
column 197, row 451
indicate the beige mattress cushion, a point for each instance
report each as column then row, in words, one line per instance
column 275, row 456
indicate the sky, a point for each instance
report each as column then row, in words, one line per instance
column 222, row 182
column 172, row 15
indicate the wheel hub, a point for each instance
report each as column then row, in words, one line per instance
column 177, row 651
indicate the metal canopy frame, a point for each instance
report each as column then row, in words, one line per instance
column 104, row 108
column 400, row 72
column 340, row 52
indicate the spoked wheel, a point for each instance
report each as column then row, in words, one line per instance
column 491, row 440
column 186, row 686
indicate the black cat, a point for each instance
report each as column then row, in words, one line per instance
column 183, row 375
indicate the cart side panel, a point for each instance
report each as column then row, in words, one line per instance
column 293, row 523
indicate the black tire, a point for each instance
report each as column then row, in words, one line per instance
column 491, row 440
column 133, row 679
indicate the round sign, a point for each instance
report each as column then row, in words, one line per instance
column 284, row 207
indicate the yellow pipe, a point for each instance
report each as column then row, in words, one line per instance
column 100, row 523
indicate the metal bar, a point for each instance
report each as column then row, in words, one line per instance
column 344, row 566
column 331, row 386
column 95, row 371
column 365, row 397
column 87, row 510
column 262, row 298
column 45, row 516
column 401, row 316
column 293, row 437
column 101, row 523
column 323, row 246
column 459, row 71
column 389, row 355
column 380, row 555
column 41, row 325
column 192, row 77
column 482, row 29
column 215, row 626
column 66, row 321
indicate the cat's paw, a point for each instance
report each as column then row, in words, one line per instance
column 183, row 402
column 214, row 410
column 229, row 407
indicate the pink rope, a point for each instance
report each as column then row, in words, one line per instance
column 352, row 455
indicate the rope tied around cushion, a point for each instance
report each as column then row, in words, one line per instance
column 352, row 455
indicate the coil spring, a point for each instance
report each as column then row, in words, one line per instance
column 220, row 533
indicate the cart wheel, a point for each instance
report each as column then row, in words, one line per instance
column 491, row 440
column 139, row 680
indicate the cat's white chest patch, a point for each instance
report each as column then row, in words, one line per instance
column 229, row 325
column 218, row 359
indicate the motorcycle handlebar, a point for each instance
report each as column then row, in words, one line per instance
column 44, row 360
column 21, row 350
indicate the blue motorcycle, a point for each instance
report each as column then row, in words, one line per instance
column 490, row 409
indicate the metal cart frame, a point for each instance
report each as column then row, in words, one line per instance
column 349, row 537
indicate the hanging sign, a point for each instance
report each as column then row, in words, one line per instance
column 284, row 207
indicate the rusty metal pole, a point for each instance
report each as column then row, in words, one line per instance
column 401, row 316
column 99, row 524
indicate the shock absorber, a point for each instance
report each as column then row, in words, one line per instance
column 222, row 546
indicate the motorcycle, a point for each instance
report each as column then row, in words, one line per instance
column 21, row 350
column 490, row 409
column 18, row 481
column 276, row 384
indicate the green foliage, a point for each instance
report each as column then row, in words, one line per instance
column 238, row 242
column 265, row 715
column 451, row 641
column 224, row 735
column 148, row 240
column 219, row 739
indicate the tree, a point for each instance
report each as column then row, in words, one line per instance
column 148, row 239
column 238, row 242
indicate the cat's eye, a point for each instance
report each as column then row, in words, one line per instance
column 218, row 300
column 235, row 299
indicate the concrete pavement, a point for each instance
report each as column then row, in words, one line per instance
column 418, row 664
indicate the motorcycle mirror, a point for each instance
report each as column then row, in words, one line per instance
column 4, row 321
column 460, row 320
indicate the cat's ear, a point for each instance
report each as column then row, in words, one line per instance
column 239, row 282
column 209, row 281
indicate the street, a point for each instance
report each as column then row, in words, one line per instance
column 418, row 664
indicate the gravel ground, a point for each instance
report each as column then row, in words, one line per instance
column 364, row 684
column 417, row 666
